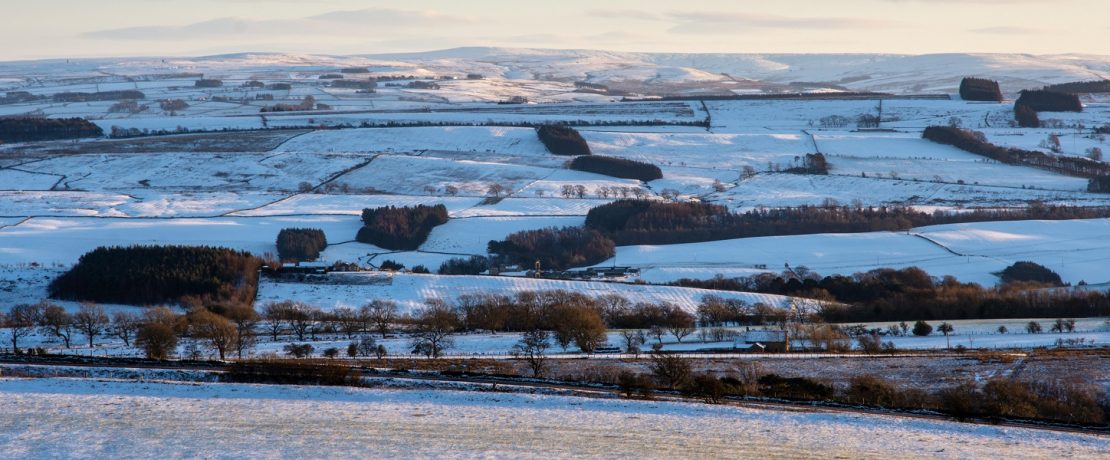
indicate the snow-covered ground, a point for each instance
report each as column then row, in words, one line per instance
column 971, row 252
column 111, row 418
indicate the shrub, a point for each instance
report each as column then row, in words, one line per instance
column 301, row 243
column 391, row 265
column 554, row 248
column 157, row 340
column 1050, row 101
column 617, row 167
column 147, row 275
column 400, row 229
column 870, row 390
column 291, row 373
column 922, row 329
column 562, row 140
column 798, row 388
column 1030, row 271
column 474, row 265
column 980, row 89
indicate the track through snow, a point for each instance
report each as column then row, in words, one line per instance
column 118, row 419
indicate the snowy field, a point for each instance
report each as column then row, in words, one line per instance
column 972, row 252
column 59, row 200
column 128, row 419
column 410, row 290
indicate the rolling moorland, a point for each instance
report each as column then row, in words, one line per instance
column 571, row 218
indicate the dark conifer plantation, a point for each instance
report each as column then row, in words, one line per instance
column 148, row 275
column 1050, row 101
column 562, row 140
column 301, row 243
column 400, row 229
column 980, row 89
column 44, row 129
column 1081, row 87
column 1025, row 116
column 630, row 222
column 555, row 248
column 616, row 167
column 129, row 94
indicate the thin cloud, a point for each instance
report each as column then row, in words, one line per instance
column 626, row 14
column 1008, row 30
column 334, row 22
column 716, row 23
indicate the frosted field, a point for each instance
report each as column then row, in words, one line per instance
column 410, row 290
column 1075, row 249
column 87, row 418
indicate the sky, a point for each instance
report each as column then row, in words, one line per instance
column 42, row 29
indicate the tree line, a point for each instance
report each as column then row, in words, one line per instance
column 128, row 94
column 630, row 222
column 616, row 167
column 149, row 275
column 562, row 140
column 400, row 228
column 301, row 243
column 975, row 142
column 1043, row 100
column 910, row 294
column 45, row 129
column 1081, row 87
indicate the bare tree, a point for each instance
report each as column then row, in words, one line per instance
column 495, row 190
column 91, row 320
column 671, row 370
column 633, row 339
column 215, row 330
column 21, row 322
column 124, row 325
column 580, row 191
column 381, row 314
column 245, row 320
column 56, row 321
column 451, row 190
column 432, row 328
column 679, row 323
column 349, row 321
column 532, row 347
column 274, row 314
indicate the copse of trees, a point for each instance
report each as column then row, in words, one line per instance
column 617, row 167
column 45, row 129
column 301, row 243
column 473, row 265
column 148, row 275
column 208, row 83
column 811, row 163
column 1050, row 101
column 1081, row 87
column 129, row 94
column 1025, row 271
column 554, row 248
column 172, row 105
column 400, row 228
column 562, row 140
column 980, row 89
column 976, row 142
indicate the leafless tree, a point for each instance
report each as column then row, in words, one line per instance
column 57, row 322
column 124, row 325
column 532, row 347
column 91, row 320
column 21, row 322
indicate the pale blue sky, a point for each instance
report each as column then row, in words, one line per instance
column 82, row 28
